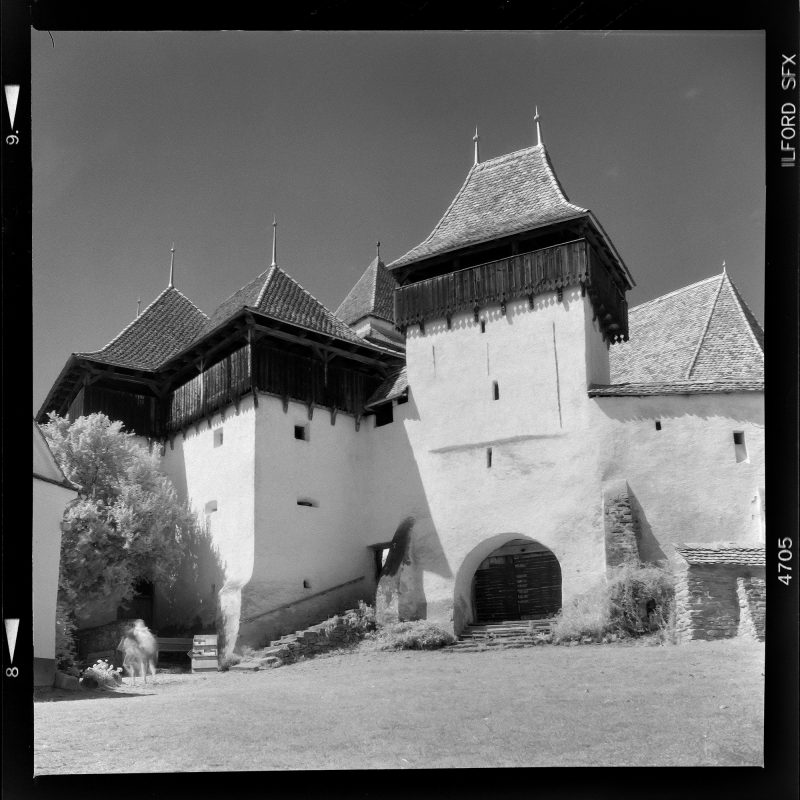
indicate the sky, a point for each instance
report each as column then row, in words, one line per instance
column 199, row 138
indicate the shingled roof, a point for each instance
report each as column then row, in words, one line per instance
column 395, row 385
column 168, row 325
column 500, row 196
column 699, row 338
column 280, row 297
column 723, row 553
column 372, row 295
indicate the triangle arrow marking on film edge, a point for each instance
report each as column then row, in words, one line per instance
column 12, row 95
column 12, row 626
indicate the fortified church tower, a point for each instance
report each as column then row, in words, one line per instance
column 509, row 307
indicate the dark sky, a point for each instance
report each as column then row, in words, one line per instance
column 142, row 139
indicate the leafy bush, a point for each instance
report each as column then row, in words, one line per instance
column 103, row 675
column 416, row 635
column 642, row 598
column 588, row 614
column 66, row 648
column 354, row 625
column 128, row 524
column 632, row 601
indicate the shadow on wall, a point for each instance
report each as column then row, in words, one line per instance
column 663, row 408
column 650, row 551
column 401, row 593
column 192, row 605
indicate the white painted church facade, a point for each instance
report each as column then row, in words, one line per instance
column 486, row 410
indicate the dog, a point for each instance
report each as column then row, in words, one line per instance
column 140, row 650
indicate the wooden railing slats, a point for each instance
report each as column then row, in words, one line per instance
column 526, row 274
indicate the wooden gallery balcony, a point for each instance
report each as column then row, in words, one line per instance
column 575, row 263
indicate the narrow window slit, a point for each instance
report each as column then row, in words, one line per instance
column 488, row 457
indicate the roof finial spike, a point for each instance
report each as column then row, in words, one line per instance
column 378, row 248
column 274, row 241
column 171, row 267
column 475, row 139
column 538, row 127
column 724, row 270
column 138, row 306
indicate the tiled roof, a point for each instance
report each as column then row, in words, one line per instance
column 395, row 385
column 378, row 337
column 501, row 196
column 168, row 325
column 700, row 335
column 675, row 387
column 372, row 295
column 723, row 553
column 280, row 297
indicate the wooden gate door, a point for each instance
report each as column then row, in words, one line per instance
column 496, row 590
column 538, row 579
column 518, row 586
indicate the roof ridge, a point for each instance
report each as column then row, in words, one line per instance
column 438, row 225
column 267, row 280
column 328, row 312
column 672, row 293
column 705, row 328
column 193, row 304
column 743, row 305
column 555, row 180
column 377, row 263
column 137, row 318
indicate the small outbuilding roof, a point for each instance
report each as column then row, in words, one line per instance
column 372, row 295
column 699, row 338
column 723, row 553
column 499, row 197
column 168, row 325
column 395, row 385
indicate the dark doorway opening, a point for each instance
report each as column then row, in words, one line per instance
column 519, row 581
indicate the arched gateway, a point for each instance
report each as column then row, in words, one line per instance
column 519, row 580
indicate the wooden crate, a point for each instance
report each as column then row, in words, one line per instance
column 204, row 652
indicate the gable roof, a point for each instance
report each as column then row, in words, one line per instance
column 168, row 325
column 702, row 334
column 501, row 196
column 372, row 295
column 395, row 385
column 280, row 297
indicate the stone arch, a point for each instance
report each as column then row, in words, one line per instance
column 464, row 609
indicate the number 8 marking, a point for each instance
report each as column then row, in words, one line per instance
column 12, row 672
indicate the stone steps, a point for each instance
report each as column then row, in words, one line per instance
column 503, row 635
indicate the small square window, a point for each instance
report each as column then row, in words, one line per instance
column 384, row 415
column 739, row 446
column 306, row 584
column 658, row 424
column 483, row 326
column 301, row 432
column 218, row 437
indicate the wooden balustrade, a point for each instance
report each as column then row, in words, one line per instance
column 524, row 275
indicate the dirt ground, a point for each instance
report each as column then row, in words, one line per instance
column 594, row 705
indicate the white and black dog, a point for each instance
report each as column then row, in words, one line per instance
column 140, row 651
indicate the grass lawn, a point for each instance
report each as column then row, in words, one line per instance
column 594, row 705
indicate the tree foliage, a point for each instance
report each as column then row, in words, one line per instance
column 128, row 524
